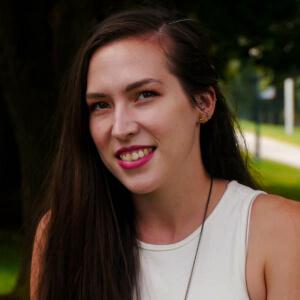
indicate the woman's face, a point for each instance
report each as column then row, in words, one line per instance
column 141, row 121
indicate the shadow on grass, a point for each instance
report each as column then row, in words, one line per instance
column 277, row 178
column 285, row 191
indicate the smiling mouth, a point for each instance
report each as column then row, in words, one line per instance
column 136, row 154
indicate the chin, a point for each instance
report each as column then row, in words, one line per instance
column 141, row 187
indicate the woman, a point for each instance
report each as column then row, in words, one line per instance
column 144, row 199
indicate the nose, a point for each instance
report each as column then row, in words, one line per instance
column 124, row 125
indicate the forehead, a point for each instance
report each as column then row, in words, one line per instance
column 127, row 60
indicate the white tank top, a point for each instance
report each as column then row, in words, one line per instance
column 219, row 272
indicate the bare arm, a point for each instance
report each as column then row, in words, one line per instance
column 283, row 261
column 276, row 248
column 38, row 249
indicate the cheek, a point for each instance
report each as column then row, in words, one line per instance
column 181, row 135
column 101, row 141
column 98, row 135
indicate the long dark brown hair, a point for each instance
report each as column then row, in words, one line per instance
column 91, row 250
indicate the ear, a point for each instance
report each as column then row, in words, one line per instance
column 206, row 103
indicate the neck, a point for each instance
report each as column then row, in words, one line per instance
column 171, row 213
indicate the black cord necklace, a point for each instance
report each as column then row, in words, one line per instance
column 199, row 239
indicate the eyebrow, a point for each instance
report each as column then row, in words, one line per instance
column 128, row 88
column 139, row 83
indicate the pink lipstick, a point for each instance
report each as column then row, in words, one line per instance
column 134, row 163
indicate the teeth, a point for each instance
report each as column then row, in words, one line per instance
column 135, row 155
column 141, row 153
column 127, row 157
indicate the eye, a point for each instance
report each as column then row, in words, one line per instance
column 99, row 106
column 147, row 94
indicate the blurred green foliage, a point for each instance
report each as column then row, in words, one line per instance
column 10, row 260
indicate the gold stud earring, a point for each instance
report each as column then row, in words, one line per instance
column 203, row 118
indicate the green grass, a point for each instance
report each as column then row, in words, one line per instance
column 10, row 260
column 273, row 131
column 278, row 178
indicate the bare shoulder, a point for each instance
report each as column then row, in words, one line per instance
column 277, row 214
column 37, row 252
column 43, row 224
column 277, row 220
column 276, row 226
column 41, row 233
